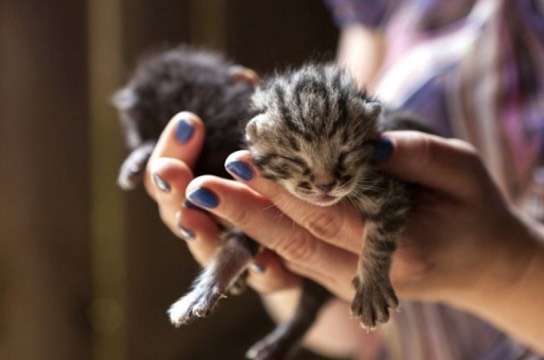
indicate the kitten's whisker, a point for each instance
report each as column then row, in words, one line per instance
column 268, row 207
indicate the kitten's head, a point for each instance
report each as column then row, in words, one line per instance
column 314, row 134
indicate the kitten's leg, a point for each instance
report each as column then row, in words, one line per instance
column 280, row 343
column 132, row 170
column 384, row 224
column 227, row 265
column 240, row 285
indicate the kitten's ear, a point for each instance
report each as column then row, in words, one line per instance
column 373, row 109
column 254, row 128
column 242, row 73
column 125, row 99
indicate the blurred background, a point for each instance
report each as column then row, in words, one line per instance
column 86, row 271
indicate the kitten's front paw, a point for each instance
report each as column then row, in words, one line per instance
column 372, row 301
column 198, row 303
column 130, row 176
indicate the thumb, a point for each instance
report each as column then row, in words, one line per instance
column 446, row 165
column 181, row 139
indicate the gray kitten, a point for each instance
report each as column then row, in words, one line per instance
column 311, row 130
column 204, row 82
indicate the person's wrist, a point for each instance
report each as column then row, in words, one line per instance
column 504, row 265
column 512, row 296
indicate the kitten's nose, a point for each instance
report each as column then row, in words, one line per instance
column 326, row 188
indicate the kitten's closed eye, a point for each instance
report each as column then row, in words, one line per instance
column 305, row 185
column 276, row 166
column 343, row 180
column 298, row 162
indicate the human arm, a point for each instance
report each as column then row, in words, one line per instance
column 361, row 50
column 472, row 239
column 464, row 245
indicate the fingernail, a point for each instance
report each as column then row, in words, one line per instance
column 189, row 205
column 160, row 183
column 383, row 150
column 258, row 268
column 184, row 130
column 235, row 69
column 204, row 197
column 240, row 169
column 186, row 234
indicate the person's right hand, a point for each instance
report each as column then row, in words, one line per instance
column 166, row 178
column 168, row 172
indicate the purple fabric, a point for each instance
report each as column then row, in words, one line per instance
column 377, row 13
column 429, row 102
column 372, row 13
column 515, row 99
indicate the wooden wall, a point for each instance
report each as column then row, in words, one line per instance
column 87, row 272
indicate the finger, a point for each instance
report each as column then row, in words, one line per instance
column 170, row 178
column 262, row 221
column 339, row 224
column 268, row 274
column 435, row 162
column 200, row 231
column 181, row 139
column 279, row 275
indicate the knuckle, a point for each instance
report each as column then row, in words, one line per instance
column 470, row 163
column 149, row 189
column 299, row 247
column 425, row 150
column 238, row 216
column 163, row 214
column 148, row 184
column 463, row 146
column 323, row 225
column 468, row 152
column 166, row 217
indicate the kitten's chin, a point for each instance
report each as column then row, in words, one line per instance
column 324, row 200
column 319, row 200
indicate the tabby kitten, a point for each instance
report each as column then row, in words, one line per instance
column 315, row 133
column 311, row 130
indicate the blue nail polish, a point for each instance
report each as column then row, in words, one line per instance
column 383, row 150
column 240, row 169
column 184, row 130
column 189, row 205
column 160, row 183
column 186, row 234
column 258, row 268
column 204, row 197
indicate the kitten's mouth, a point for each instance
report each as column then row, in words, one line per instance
column 325, row 199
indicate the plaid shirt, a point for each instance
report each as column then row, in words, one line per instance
column 475, row 70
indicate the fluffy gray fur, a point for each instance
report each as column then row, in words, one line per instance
column 204, row 82
column 312, row 130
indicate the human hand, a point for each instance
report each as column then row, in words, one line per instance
column 463, row 244
column 166, row 178
column 460, row 230
column 167, row 174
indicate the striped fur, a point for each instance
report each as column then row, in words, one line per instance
column 315, row 134
column 305, row 128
